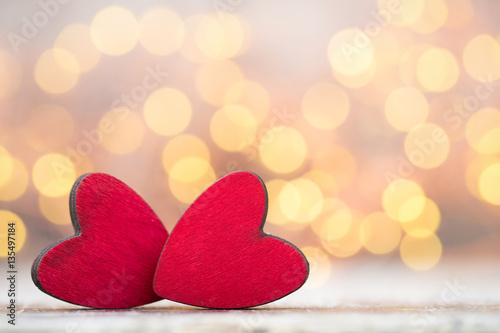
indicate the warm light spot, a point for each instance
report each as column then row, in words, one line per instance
column 181, row 147
column 408, row 64
column 481, row 58
column 427, row 221
column 56, row 71
column 187, row 191
column 437, row 70
column 335, row 220
column 460, row 13
column 421, row 253
column 161, row 31
column 189, row 48
column 55, row 209
column 10, row 74
column 6, row 220
column 125, row 132
column 220, row 39
column 403, row 200
column 48, row 128
column 350, row 52
column 326, row 182
column 489, row 184
column 6, row 165
column 233, row 128
column 427, row 146
column 53, row 175
column 325, row 106
column 379, row 233
column 275, row 214
column 483, row 131
column 251, row 95
column 358, row 80
column 403, row 13
column 338, row 162
column 214, row 78
column 320, row 267
column 167, row 111
column 114, row 31
column 406, row 108
column 189, row 169
column 15, row 186
column 433, row 17
column 474, row 170
column 76, row 40
column 283, row 149
column 301, row 200
column 347, row 245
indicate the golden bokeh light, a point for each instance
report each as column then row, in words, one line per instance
column 161, row 31
column 53, row 175
column 76, row 39
column 404, row 12
column 434, row 16
column 283, row 149
column 185, row 190
column 489, row 184
column 233, row 128
column 189, row 169
column 56, row 71
column 350, row 52
column 481, row 58
column 406, row 108
column 358, row 80
column 334, row 221
column 189, row 48
column 251, row 95
column 114, row 31
column 125, row 131
column 10, row 74
column 320, row 267
column 325, row 106
column 403, row 200
column 48, row 128
column 167, row 111
column 55, row 210
column 275, row 214
column 347, row 245
column 408, row 64
column 483, row 131
column 301, row 200
column 427, row 221
column 427, row 146
column 214, row 78
column 220, row 39
column 379, row 233
column 474, row 170
column 338, row 162
column 7, row 217
column 437, row 70
column 15, row 186
column 326, row 182
column 6, row 165
column 421, row 253
column 181, row 147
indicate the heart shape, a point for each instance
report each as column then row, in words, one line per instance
column 218, row 256
column 111, row 260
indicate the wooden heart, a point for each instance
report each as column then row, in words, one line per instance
column 218, row 256
column 111, row 260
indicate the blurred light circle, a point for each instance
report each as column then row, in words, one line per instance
column 406, row 108
column 167, row 111
column 350, row 52
column 325, row 106
column 187, row 191
column 15, row 186
column 421, row 253
column 434, row 16
column 189, row 48
column 251, row 95
column 437, row 70
column 481, row 58
column 7, row 217
column 161, row 31
column 114, row 31
column 326, row 181
column 220, row 38
column 403, row 13
column 56, row 71
column 126, row 131
column 213, row 79
column 483, row 131
column 233, row 128
column 427, row 146
column 358, row 80
column 427, row 221
column 189, row 169
column 301, row 200
column 53, row 175
column 10, row 74
column 347, row 245
column 275, row 214
column 338, row 162
column 76, row 39
column 334, row 221
column 6, row 165
column 403, row 200
column 489, row 184
column 55, row 209
column 283, row 149
column 183, row 146
column 408, row 63
column 474, row 170
column 379, row 233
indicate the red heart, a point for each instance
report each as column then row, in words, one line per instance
column 111, row 260
column 217, row 256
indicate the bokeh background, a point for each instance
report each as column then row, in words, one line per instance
column 374, row 124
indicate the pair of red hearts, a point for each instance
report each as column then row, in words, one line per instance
column 217, row 256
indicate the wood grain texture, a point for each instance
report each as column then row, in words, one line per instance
column 110, row 261
column 218, row 256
